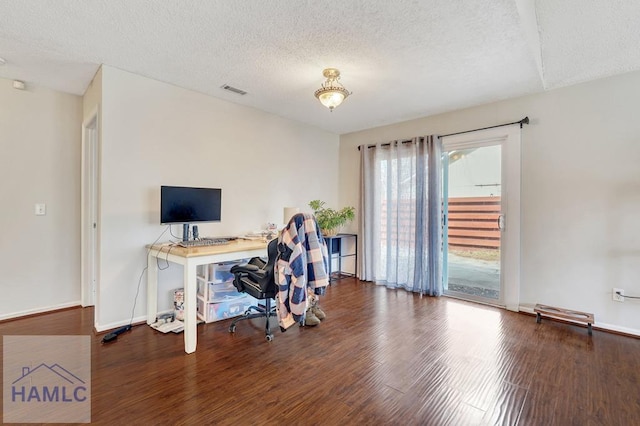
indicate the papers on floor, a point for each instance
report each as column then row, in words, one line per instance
column 163, row 326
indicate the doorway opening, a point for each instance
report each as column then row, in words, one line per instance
column 472, row 186
column 90, row 208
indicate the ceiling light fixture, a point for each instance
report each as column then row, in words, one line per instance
column 332, row 92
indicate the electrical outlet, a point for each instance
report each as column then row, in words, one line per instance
column 618, row 295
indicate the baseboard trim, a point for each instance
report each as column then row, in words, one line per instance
column 40, row 311
column 101, row 328
column 615, row 329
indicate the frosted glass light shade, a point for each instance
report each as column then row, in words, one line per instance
column 331, row 99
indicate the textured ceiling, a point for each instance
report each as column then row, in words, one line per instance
column 402, row 59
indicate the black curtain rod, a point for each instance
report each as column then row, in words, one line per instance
column 520, row 122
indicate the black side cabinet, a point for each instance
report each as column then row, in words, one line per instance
column 339, row 247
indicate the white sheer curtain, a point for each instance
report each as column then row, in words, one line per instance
column 401, row 214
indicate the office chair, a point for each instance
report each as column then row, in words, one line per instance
column 256, row 278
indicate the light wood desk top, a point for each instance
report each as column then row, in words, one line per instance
column 233, row 246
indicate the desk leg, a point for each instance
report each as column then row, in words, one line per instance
column 190, row 303
column 152, row 288
column 329, row 243
column 340, row 259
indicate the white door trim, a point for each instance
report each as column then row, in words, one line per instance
column 90, row 202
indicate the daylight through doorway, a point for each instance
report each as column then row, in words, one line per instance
column 472, row 189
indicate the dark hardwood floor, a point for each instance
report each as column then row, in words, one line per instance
column 381, row 357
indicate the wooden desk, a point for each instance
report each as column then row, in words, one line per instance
column 190, row 258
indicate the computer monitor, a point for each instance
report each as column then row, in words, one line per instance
column 186, row 205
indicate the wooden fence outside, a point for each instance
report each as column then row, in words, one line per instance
column 473, row 222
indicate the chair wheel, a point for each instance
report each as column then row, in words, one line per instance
column 232, row 328
column 269, row 337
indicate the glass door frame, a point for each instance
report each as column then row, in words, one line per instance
column 510, row 139
column 445, row 222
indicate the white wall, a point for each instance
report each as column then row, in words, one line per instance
column 157, row 134
column 580, row 191
column 40, row 163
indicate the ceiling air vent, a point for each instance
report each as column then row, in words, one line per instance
column 233, row 89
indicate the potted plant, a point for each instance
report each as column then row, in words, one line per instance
column 330, row 220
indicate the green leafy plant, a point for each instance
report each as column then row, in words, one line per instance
column 330, row 220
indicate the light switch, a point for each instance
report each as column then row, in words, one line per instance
column 41, row 209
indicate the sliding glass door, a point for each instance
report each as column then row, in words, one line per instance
column 473, row 222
